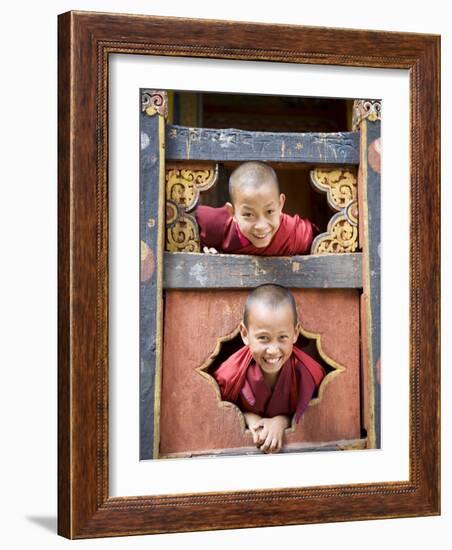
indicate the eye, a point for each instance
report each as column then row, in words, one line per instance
column 246, row 215
column 270, row 212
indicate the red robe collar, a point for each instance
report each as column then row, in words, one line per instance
column 241, row 381
column 220, row 231
column 294, row 236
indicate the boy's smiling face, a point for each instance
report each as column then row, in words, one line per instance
column 270, row 335
column 257, row 212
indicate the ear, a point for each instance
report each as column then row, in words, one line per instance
column 230, row 209
column 282, row 200
column 297, row 333
column 244, row 333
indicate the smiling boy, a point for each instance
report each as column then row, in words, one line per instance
column 269, row 379
column 254, row 222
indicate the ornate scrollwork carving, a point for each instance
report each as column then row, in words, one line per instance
column 341, row 187
column 183, row 235
column 341, row 236
column 154, row 102
column 369, row 109
column 183, row 186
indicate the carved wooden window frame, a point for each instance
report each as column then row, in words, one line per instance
column 179, row 163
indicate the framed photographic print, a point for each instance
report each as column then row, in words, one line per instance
column 156, row 115
column 317, row 173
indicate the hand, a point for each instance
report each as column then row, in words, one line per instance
column 270, row 432
column 208, row 250
column 252, row 420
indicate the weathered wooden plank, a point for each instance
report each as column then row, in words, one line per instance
column 340, row 445
column 152, row 200
column 184, row 143
column 184, row 270
column 369, row 194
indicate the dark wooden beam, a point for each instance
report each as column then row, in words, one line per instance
column 152, row 193
column 188, row 270
column 184, row 143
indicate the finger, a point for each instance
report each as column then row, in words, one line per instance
column 278, row 445
column 262, row 435
column 261, row 430
column 255, row 436
column 255, row 433
column 274, row 445
column 266, row 445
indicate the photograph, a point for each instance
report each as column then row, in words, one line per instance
column 225, row 227
column 221, row 236
column 260, row 333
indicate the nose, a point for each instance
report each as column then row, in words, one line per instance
column 260, row 224
column 272, row 349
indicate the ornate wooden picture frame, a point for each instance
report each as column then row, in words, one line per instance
column 85, row 507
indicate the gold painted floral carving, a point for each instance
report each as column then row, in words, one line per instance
column 340, row 186
column 183, row 186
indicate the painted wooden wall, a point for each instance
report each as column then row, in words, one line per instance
column 194, row 419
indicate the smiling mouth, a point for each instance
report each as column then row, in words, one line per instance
column 272, row 360
column 261, row 237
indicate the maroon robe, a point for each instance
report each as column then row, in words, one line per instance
column 218, row 230
column 241, row 382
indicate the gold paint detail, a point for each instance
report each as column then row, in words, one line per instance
column 365, row 109
column 154, row 102
column 183, row 187
column 183, row 234
column 341, row 188
column 341, row 236
column 159, row 288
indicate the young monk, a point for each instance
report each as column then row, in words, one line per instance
column 269, row 379
column 253, row 222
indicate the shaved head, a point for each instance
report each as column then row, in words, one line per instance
column 251, row 176
column 271, row 296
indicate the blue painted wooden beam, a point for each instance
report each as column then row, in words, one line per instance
column 152, row 213
column 183, row 143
